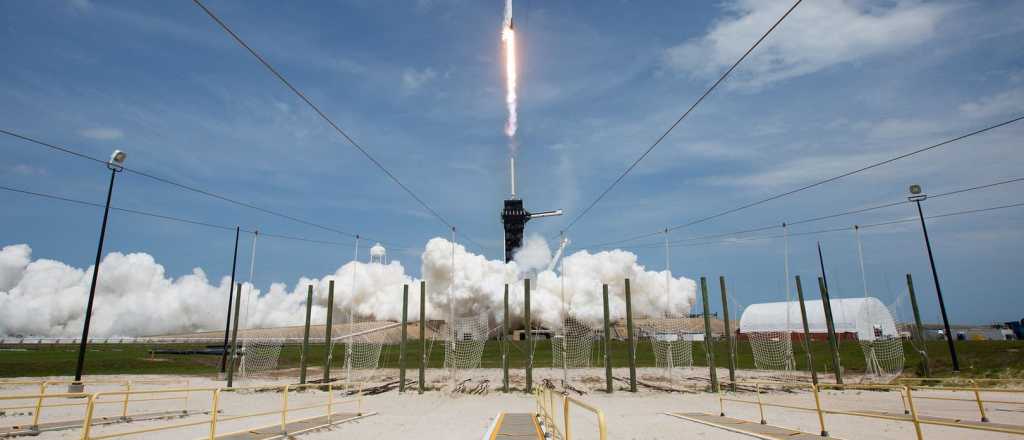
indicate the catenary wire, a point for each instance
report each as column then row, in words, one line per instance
column 829, row 216
column 824, row 181
column 837, row 229
column 678, row 121
column 327, row 119
column 174, row 218
column 183, row 186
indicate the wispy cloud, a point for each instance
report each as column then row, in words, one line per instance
column 28, row 170
column 1010, row 101
column 816, row 36
column 81, row 5
column 102, row 133
column 413, row 80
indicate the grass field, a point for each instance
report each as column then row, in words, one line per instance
column 977, row 358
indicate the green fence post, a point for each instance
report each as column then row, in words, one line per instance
column 504, row 346
column 529, row 336
column 424, row 356
column 328, row 345
column 708, row 338
column 607, row 343
column 631, row 343
column 405, row 335
column 919, row 331
column 827, row 304
column 305, row 336
column 731, row 343
column 807, row 330
column 234, row 338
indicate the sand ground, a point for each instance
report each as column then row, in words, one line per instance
column 440, row 414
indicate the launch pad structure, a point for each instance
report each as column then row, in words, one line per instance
column 514, row 216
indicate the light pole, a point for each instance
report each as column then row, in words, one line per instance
column 115, row 165
column 917, row 196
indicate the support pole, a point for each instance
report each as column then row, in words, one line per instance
column 529, row 336
column 231, row 297
column 423, row 336
column 607, row 344
column 807, row 331
column 77, row 385
column 631, row 350
column 731, row 344
column 305, row 336
column 830, row 325
column 234, row 337
column 405, row 335
column 709, row 347
column 918, row 328
column 504, row 346
column 938, row 290
column 328, row 343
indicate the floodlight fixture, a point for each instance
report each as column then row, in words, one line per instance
column 117, row 159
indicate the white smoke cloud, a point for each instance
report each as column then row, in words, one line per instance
column 135, row 297
column 534, row 256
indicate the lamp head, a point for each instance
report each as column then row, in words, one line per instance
column 916, row 195
column 117, row 159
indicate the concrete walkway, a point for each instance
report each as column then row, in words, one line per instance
column 754, row 429
column 293, row 428
column 515, row 426
column 20, row 430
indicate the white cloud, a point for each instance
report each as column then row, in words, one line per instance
column 102, row 133
column 28, row 170
column 1010, row 101
column 81, row 5
column 797, row 172
column 896, row 128
column 413, row 80
column 817, row 35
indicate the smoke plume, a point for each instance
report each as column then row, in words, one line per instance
column 136, row 297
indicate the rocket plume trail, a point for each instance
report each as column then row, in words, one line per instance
column 508, row 37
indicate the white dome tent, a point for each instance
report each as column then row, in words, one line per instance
column 865, row 319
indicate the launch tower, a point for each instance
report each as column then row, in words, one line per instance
column 514, row 216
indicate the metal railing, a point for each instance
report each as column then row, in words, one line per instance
column 546, row 401
column 39, row 398
column 45, row 386
column 906, row 395
column 215, row 410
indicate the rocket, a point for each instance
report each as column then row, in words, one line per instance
column 509, row 21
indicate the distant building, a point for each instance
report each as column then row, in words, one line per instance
column 1016, row 327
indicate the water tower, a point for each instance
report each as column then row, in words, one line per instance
column 378, row 254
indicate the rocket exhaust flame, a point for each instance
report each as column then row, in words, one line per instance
column 508, row 37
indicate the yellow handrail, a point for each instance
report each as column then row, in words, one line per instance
column 601, row 425
column 907, row 398
column 546, row 407
column 44, row 385
column 215, row 407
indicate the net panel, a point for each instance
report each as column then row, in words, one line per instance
column 258, row 357
column 880, row 342
column 573, row 345
column 464, row 341
column 772, row 350
column 671, row 341
column 362, row 344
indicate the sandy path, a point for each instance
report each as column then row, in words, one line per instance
column 439, row 415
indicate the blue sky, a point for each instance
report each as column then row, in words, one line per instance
column 419, row 84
